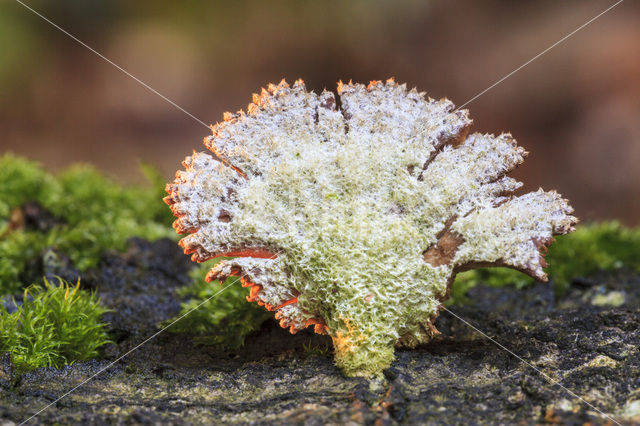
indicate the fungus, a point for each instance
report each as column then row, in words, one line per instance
column 356, row 219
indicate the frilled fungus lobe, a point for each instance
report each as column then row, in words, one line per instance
column 355, row 219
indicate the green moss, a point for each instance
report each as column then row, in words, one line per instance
column 591, row 248
column 55, row 325
column 226, row 319
column 93, row 214
column 310, row 349
column 22, row 181
column 17, row 250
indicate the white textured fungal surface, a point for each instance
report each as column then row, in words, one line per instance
column 355, row 219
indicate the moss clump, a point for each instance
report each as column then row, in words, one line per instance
column 226, row 319
column 17, row 250
column 92, row 214
column 311, row 349
column 591, row 248
column 54, row 326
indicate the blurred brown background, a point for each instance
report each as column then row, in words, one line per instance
column 576, row 109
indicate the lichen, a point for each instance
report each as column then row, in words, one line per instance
column 355, row 220
column 53, row 326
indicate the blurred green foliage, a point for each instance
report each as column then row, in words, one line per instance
column 224, row 320
column 591, row 248
column 92, row 214
column 55, row 325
